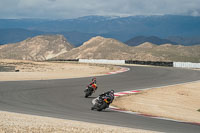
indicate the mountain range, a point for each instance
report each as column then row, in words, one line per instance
column 178, row 29
column 47, row 47
column 152, row 39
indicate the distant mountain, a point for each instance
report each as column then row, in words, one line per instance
column 119, row 28
column 37, row 48
column 16, row 35
column 152, row 39
column 187, row 41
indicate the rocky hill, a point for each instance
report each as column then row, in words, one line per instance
column 99, row 48
column 169, row 52
column 56, row 47
column 37, row 48
column 107, row 48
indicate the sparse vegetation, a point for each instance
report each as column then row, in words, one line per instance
column 97, row 48
column 38, row 48
column 107, row 48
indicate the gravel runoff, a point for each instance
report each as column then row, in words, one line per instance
column 22, row 123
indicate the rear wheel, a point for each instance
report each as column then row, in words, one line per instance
column 88, row 93
column 103, row 106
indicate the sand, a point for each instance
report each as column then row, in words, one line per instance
column 29, row 70
column 178, row 102
column 21, row 123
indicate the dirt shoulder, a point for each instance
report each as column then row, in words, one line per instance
column 29, row 70
column 21, row 123
column 179, row 102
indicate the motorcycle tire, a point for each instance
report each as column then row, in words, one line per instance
column 92, row 108
column 87, row 94
column 103, row 106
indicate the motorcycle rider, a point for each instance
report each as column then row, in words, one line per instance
column 108, row 93
column 93, row 84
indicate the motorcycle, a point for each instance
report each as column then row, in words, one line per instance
column 89, row 90
column 101, row 102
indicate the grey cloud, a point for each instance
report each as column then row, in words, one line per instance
column 76, row 8
column 193, row 13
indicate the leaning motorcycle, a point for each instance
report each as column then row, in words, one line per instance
column 89, row 90
column 101, row 102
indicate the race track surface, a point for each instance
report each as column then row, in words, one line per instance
column 65, row 98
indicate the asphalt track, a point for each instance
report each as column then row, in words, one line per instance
column 65, row 98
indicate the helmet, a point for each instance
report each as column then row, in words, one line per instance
column 112, row 93
column 94, row 79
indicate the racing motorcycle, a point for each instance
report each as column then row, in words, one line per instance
column 101, row 102
column 89, row 90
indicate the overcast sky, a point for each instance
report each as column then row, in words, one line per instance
column 62, row 9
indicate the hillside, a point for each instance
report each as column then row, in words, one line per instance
column 37, row 48
column 169, row 52
column 99, row 48
column 56, row 47
column 107, row 48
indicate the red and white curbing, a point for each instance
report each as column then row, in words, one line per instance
column 123, row 69
column 141, row 114
column 126, row 93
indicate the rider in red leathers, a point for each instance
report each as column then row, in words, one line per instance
column 93, row 84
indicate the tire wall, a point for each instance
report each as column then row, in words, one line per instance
column 121, row 62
